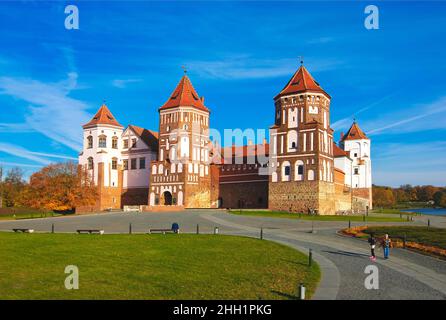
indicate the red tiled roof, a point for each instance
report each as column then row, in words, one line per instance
column 301, row 81
column 103, row 116
column 184, row 95
column 338, row 152
column 242, row 151
column 149, row 137
column 354, row 133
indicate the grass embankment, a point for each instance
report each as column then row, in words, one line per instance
column 25, row 213
column 423, row 239
column 281, row 214
column 423, row 235
column 151, row 267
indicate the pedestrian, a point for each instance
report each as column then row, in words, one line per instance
column 387, row 243
column 372, row 242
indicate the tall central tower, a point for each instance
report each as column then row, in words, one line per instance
column 181, row 176
column 301, row 151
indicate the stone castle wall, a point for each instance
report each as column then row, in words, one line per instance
column 244, row 195
column 134, row 196
column 294, row 197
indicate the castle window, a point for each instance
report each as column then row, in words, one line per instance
column 115, row 142
column 133, row 164
column 126, row 164
column 355, row 155
column 89, row 142
column 299, row 170
column 356, row 171
column 90, row 163
column 126, row 143
column 133, row 143
column 114, row 164
column 286, row 171
column 142, row 163
column 102, row 142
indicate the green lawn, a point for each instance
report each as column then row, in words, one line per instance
column 424, row 235
column 281, row 214
column 151, row 267
column 25, row 213
column 392, row 211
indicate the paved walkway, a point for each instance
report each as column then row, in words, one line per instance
column 407, row 275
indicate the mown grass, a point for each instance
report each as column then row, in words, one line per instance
column 25, row 213
column 423, row 235
column 392, row 211
column 287, row 215
column 151, row 267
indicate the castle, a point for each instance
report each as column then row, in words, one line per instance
column 302, row 169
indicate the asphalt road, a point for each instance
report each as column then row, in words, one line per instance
column 406, row 275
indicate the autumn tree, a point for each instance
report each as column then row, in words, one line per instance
column 383, row 197
column 11, row 187
column 59, row 187
column 440, row 198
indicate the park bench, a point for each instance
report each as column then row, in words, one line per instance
column 163, row 231
column 174, row 229
column 90, row 231
column 23, row 230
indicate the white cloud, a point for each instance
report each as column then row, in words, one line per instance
column 245, row 67
column 39, row 157
column 416, row 118
column 122, row 83
column 51, row 111
column 395, row 164
column 22, row 153
column 15, row 127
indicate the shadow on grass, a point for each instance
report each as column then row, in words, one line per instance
column 285, row 295
column 347, row 253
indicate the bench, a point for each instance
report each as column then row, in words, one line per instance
column 160, row 230
column 90, row 231
column 23, row 230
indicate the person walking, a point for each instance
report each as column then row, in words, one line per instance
column 387, row 243
column 372, row 242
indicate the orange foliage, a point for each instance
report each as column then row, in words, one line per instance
column 59, row 187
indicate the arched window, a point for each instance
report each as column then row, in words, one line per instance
column 286, row 171
column 154, row 169
column 115, row 142
column 114, row 163
column 160, row 169
column 90, row 163
column 102, row 142
column 89, row 142
column 299, row 170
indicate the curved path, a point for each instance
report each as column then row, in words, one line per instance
column 406, row 275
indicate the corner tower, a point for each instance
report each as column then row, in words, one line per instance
column 181, row 175
column 357, row 144
column 101, row 155
column 301, row 151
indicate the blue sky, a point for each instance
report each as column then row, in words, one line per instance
column 239, row 55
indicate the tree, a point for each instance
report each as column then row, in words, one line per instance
column 426, row 193
column 12, row 186
column 59, row 187
column 383, row 197
column 440, row 198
